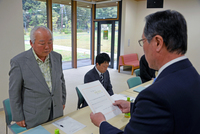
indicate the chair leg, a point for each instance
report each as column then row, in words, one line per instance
column 119, row 68
column 132, row 70
column 6, row 129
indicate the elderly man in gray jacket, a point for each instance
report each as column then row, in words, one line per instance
column 37, row 89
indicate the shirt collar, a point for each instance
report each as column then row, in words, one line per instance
column 170, row 63
column 98, row 71
column 38, row 59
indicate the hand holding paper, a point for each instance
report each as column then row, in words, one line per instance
column 97, row 118
column 99, row 100
column 123, row 105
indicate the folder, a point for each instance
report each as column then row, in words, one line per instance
column 139, row 89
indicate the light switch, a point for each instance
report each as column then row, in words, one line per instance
column 128, row 42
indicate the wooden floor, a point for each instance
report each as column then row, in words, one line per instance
column 74, row 77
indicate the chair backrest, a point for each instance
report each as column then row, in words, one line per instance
column 80, row 98
column 130, row 57
column 7, row 109
column 137, row 72
column 13, row 127
column 134, row 81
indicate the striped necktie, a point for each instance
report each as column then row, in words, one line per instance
column 101, row 79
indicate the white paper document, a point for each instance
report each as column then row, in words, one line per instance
column 98, row 99
column 68, row 125
column 122, row 97
column 147, row 85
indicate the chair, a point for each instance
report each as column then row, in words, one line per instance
column 129, row 60
column 134, row 81
column 137, row 72
column 80, row 99
column 13, row 127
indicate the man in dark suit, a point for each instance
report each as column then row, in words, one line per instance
column 171, row 105
column 146, row 73
column 100, row 72
column 36, row 86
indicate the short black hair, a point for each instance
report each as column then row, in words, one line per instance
column 171, row 26
column 102, row 57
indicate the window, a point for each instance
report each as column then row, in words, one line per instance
column 61, row 23
column 34, row 14
column 83, row 35
column 107, row 11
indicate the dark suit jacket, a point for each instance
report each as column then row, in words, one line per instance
column 93, row 75
column 146, row 73
column 169, row 106
column 30, row 97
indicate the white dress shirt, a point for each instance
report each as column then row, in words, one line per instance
column 170, row 63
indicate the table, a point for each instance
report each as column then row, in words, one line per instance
column 143, row 85
column 83, row 116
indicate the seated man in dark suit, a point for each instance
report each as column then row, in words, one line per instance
column 146, row 73
column 171, row 105
column 100, row 72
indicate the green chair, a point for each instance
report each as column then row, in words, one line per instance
column 137, row 72
column 13, row 127
column 80, row 99
column 134, row 81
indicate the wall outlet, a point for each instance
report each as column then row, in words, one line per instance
column 128, row 42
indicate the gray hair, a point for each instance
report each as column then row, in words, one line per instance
column 32, row 34
column 171, row 26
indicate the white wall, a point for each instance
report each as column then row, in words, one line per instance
column 129, row 13
column 190, row 10
column 11, row 40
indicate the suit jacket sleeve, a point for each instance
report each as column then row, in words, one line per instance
column 88, row 78
column 63, row 86
column 151, row 114
column 15, row 91
column 150, row 118
column 106, row 128
column 109, row 87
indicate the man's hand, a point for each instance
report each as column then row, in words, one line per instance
column 63, row 107
column 21, row 123
column 97, row 118
column 123, row 105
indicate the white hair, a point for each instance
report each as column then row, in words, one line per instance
column 32, row 34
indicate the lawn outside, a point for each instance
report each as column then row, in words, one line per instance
column 62, row 45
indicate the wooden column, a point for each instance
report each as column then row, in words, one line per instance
column 74, row 34
column 93, row 33
column 49, row 14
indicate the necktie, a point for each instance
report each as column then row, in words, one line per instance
column 101, row 79
column 154, row 80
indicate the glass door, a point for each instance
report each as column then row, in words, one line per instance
column 105, row 39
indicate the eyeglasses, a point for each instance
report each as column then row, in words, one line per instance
column 141, row 43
